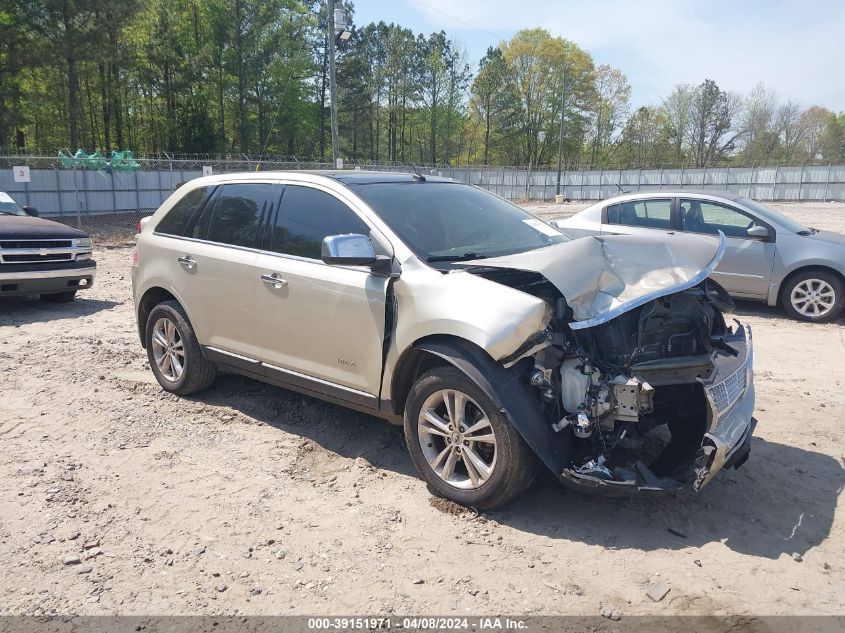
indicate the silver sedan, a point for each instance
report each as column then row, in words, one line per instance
column 769, row 257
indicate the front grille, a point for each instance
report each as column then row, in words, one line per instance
column 36, row 243
column 50, row 257
column 726, row 393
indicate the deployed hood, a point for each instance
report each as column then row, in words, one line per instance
column 603, row 277
column 20, row 227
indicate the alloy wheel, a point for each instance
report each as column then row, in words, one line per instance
column 813, row 297
column 457, row 439
column 168, row 349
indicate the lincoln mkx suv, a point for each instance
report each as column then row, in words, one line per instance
column 500, row 344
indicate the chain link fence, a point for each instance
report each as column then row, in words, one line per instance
column 106, row 201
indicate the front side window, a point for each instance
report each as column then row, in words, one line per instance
column 701, row 216
column 179, row 216
column 443, row 221
column 236, row 216
column 306, row 216
column 651, row 214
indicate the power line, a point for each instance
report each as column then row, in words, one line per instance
column 454, row 17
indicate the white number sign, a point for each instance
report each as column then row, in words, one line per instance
column 21, row 173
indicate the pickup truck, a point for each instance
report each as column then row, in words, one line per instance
column 41, row 257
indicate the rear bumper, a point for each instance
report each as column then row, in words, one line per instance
column 31, row 282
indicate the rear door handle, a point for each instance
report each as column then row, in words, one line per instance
column 274, row 279
column 187, row 262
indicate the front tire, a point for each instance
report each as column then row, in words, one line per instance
column 462, row 445
column 815, row 296
column 174, row 352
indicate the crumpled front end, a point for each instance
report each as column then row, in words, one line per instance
column 669, row 422
column 643, row 383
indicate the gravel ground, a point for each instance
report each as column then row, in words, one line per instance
column 116, row 497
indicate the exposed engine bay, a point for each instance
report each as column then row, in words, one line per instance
column 630, row 395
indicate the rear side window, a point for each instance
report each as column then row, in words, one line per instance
column 178, row 218
column 308, row 215
column 652, row 214
column 236, row 216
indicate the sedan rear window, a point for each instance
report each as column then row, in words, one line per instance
column 651, row 214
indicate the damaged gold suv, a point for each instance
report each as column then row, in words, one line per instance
column 499, row 343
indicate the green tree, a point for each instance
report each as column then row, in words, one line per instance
column 712, row 117
column 492, row 100
column 535, row 62
column 610, row 109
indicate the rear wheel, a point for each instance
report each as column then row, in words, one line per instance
column 462, row 444
column 60, row 297
column 174, row 352
column 817, row 296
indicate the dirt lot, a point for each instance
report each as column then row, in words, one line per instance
column 251, row 499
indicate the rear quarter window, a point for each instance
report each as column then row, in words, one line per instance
column 651, row 214
column 179, row 217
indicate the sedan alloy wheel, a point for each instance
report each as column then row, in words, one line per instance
column 813, row 297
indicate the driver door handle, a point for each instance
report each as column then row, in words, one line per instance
column 187, row 262
column 274, row 279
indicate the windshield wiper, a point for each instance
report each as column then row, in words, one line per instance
column 455, row 258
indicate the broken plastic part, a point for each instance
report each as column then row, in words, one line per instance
column 583, row 427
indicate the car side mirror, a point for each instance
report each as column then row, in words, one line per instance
column 31, row 211
column 758, row 231
column 352, row 249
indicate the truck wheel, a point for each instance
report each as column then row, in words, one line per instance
column 817, row 296
column 60, row 297
column 174, row 352
column 462, row 444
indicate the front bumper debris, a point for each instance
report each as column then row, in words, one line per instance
column 730, row 400
column 729, row 391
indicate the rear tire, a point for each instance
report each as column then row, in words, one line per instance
column 814, row 296
column 60, row 297
column 473, row 456
column 174, row 352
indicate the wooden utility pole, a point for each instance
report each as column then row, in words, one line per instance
column 332, row 84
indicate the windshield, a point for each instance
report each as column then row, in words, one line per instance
column 770, row 214
column 443, row 221
column 9, row 206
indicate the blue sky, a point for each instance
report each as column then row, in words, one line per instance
column 795, row 48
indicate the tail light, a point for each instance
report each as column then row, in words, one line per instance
column 140, row 226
